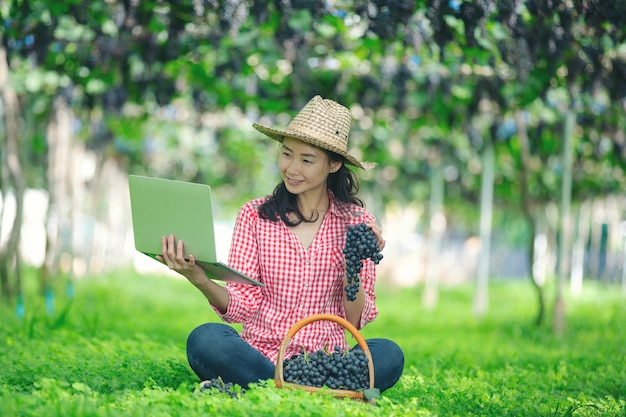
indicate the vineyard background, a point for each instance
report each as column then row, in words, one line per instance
column 498, row 127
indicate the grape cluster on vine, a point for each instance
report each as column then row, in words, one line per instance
column 335, row 370
column 217, row 385
column 361, row 244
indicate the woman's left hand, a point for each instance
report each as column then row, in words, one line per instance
column 378, row 233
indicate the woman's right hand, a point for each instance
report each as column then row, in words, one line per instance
column 173, row 255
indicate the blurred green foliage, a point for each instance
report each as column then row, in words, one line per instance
column 155, row 82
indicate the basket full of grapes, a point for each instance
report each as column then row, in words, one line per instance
column 339, row 373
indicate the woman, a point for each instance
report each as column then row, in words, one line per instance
column 291, row 241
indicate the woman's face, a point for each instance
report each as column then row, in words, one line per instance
column 303, row 167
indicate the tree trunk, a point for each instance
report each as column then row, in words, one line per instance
column 13, row 178
column 437, row 229
column 481, row 300
column 578, row 253
column 529, row 214
column 59, row 215
column 624, row 259
column 5, row 286
column 566, row 200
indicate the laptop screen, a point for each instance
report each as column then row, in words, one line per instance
column 161, row 207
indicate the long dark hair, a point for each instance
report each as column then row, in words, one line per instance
column 343, row 183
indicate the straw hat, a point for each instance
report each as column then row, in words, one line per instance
column 323, row 123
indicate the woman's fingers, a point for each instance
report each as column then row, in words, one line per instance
column 172, row 252
column 180, row 254
column 173, row 255
column 171, row 247
column 378, row 233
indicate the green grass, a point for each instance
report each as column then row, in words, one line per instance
column 117, row 349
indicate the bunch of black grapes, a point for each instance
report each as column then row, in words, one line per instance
column 217, row 385
column 336, row 370
column 361, row 243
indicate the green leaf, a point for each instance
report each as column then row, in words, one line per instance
column 462, row 92
column 371, row 393
column 326, row 29
column 301, row 20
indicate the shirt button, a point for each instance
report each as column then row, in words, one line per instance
column 306, row 285
column 307, row 262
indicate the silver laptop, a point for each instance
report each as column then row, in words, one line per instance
column 161, row 207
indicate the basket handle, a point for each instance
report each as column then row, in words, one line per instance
column 278, row 372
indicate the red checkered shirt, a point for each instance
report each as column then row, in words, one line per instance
column 298, row 282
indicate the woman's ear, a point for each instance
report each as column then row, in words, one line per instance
column 335, row 165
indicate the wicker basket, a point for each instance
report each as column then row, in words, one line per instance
column 367, row 395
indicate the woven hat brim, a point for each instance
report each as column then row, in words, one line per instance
column 279, row 135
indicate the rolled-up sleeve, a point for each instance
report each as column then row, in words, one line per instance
column 368, row 277
column 243, row 302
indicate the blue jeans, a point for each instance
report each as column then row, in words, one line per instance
column 216, row 349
